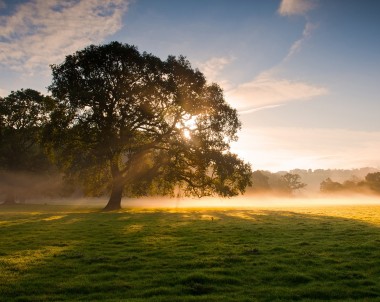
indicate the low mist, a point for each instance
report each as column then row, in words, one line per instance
column 32, row 188
column 259, row 201
column 24, row 186
column 246, row 201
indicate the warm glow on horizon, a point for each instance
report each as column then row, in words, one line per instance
column 283, row 149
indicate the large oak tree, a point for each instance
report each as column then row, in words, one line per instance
column 130, row 123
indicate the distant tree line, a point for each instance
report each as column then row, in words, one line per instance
column 364, row 180
column 313, row 178
column 371, row 184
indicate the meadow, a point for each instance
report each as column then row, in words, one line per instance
column 71, row 253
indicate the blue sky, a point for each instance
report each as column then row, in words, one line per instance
column 304, row 74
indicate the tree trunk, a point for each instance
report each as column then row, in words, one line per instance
column 114, row 203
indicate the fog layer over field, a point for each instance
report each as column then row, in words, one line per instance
column 49, row 189
column 259, row 201
column 24, row 185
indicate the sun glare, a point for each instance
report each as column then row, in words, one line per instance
column 187, row 125
column 187, row 133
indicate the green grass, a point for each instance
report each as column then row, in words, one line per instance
column 55, row 253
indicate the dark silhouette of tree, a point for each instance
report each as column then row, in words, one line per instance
column 373, row 181
column 128, row 122
column 22, row 116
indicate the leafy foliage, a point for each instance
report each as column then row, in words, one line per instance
column 293, row 182
column 22, row 116
column 152, row 126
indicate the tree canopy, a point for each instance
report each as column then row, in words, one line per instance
column 133, row 124
column 22, row 116
column 293, row 182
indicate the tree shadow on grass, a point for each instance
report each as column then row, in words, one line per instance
column 190, row 255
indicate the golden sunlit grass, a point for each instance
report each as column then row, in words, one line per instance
column 52, row 253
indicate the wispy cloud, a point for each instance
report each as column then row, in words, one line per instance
column 263, row 92
column 298, row 7
column 2, row 4
column 295, row 7
column 266, row 91
column 213, row 67
column 296, row 46
column 42, row 32
column 254, row 109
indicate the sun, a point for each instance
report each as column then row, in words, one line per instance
column 187, row 133
column 188, row 125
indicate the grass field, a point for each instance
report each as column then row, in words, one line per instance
column 54, row 253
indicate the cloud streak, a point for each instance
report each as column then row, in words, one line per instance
column 42, row 32
column 296, row 46
column 266, row 91
column 298, row 7
column 254, row 109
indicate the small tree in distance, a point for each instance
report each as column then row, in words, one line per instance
column 129, row 123
column 292, row 182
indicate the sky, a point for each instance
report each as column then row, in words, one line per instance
column 304, row 75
